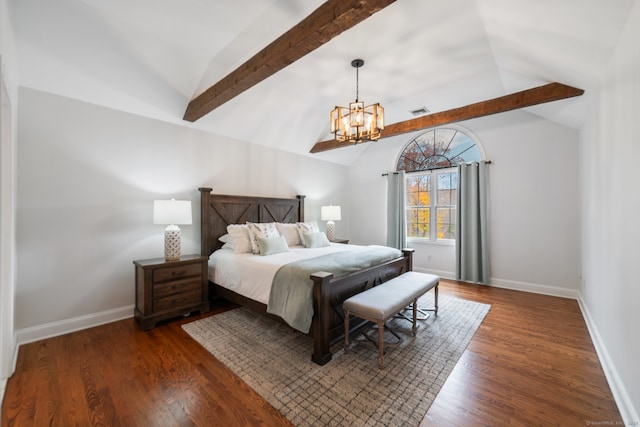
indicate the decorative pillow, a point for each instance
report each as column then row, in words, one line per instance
column 227, row 246
column 265, row 230
column 239, row 238
column 272, row 245
column 290, row 233
column 225, row 238
column 306, row 227
column 316, row 240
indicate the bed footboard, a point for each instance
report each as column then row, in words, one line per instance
column 329, row 293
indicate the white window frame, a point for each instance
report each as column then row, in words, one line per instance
column 433, row 207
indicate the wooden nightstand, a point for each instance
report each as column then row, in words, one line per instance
column 339, row 240
column 166, row 289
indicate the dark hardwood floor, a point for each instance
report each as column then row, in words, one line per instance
column 531, row 362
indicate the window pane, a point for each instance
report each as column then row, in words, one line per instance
column 418, row 191
column 442, row 142
column 446, row 223
column 418, row 222
column 447, row 188
column 411, row 158
column 425, row 183
column 463, row 149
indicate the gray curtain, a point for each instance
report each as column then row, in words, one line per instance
column 396, row 234
column 472, row 246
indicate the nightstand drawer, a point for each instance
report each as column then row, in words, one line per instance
column 176, row 287
column 176, row 301
column 172, row 273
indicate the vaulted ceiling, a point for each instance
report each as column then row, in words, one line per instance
column 151, row 57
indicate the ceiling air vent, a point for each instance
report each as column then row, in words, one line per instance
column 419, row 111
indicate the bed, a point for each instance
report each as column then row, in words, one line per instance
column 329, row 292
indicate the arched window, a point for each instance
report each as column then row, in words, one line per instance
column 437, row 149
column 431, row 182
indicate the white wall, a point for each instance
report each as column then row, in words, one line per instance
column 611, row 229
column 87, row 178
column 8, row 105
column 534, row 228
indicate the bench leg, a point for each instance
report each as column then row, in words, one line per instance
column 346, row 331
column 436, row 297
column 380, row 344
column 414, row 329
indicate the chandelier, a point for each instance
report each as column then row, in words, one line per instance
column 357, row 123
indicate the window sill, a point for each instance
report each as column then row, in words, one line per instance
column 417, row 240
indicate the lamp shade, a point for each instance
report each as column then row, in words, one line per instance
column 172, row 212
column 330, row 213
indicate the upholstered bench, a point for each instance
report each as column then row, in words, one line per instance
column 382, row 302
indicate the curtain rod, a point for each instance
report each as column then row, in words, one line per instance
column 487, row 162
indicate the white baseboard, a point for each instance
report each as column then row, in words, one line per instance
column 625, row 406
column 443, row 274
column 66, row 326
column 535, row 288
column 3, row 381
column 514, row 285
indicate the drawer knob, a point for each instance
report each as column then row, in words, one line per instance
column 178, row 286
column 178, row 301
column 178, row 273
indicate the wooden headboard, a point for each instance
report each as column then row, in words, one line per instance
column 219, row 210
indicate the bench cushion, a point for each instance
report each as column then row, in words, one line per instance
column 385, row 300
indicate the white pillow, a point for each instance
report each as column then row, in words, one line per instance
column 272, row 245
column 290, row 233
column 316, row 240
column 226, row 239
column 265, row 230
column 239, row 238
column 306, row 227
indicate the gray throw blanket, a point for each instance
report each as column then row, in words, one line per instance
column 291, row 294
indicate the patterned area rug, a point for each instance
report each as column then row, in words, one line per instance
column 350, row 390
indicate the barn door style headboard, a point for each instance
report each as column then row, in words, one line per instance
column 220, row 210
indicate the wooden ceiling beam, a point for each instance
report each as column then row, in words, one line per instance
column 325, row 23
column 527, row 98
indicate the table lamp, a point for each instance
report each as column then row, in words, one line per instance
column 174, row 213
column 330, row 214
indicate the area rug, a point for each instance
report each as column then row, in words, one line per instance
column 350, row 390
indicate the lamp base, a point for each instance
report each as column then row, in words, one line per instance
column 331, row 230
column 172, row 243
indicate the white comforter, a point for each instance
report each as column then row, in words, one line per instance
column 252, row 275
